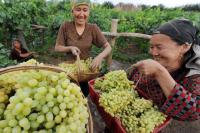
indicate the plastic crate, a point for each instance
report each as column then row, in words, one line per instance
column 113, row 123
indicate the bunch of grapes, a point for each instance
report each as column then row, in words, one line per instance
column 73, row 68
column 114, row 101
column 140, row 116
column 44, row 102
column 31, row 62
column 137, row 107
column 114, row 80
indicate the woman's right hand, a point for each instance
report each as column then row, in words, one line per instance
column 75, row 51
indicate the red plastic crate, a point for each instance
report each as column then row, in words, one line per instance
column 113, row 123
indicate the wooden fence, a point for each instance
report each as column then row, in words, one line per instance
column 113, row 35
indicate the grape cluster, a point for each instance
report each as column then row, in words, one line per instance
column 140, row 116
column 31, row 62
column 43, row 102
column 114, row 101
column 114, row 80
column 72, row 68
column 120, row 100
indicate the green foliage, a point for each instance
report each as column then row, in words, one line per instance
column 20, row 14
column 4, row 57
column 108, row 5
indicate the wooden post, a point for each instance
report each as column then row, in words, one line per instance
column 112, row 40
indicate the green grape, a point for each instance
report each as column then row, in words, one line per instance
column 42, row 90
column 28, row 101
column 49, row 97
column 7, row 130
column 16, row 129
column 63, row 113
column 58, row 119
column 40, row 118
column 54, row 78
column 56, row 110
column 34, row 124
column 62, row 106
column 24, row 123
column 49, row 124
column 53, row 91
column 13, row 123
column 33, row 116
column 3, row 123
column 60, row 98
column 49, row 116
column 33, row 83
column 45, row 109
column 50, row 104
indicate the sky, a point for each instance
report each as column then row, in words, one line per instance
column 166, row 3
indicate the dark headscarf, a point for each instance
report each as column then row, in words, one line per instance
column 183, row 31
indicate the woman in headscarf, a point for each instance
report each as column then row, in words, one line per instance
column 76, row 38
column 19, row 53
column 172, row 78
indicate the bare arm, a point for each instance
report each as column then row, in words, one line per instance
column 26, row 54
column 61, row 48
column 106, row 51
column 98, row 59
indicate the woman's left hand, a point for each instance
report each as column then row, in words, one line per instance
column 96, row 62
column 148, row 67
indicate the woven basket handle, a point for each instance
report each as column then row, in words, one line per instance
column 78, row 63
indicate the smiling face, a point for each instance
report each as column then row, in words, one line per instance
column 81, row 14
column 167, row 52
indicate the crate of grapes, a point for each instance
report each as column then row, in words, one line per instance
column 115, row 123
column 41, row 99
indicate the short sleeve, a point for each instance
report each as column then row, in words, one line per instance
column 61, row 37
column 98, row 38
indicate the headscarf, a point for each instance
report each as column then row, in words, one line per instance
column 183, row 31
column 76, row 3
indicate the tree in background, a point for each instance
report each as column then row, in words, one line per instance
column 108, row 5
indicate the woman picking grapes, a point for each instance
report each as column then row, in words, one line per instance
column 76, row 38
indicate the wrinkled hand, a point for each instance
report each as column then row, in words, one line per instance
column 75, row 51
column 96, row 63
column 148, row 67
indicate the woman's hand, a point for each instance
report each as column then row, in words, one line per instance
column 96, row 62
column 149, row 67
column 75, row 51
column 152, row 67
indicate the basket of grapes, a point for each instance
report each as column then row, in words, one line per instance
column 41, row 99
column 121, row 107
column 80, row 69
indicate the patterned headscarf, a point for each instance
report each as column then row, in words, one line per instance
column 183, row 31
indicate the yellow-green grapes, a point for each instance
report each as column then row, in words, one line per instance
column 43, row 102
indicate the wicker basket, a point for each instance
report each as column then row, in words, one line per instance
column 81, row 76
column 48, row 68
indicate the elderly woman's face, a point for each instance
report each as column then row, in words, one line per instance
column 166, row 51
column 80, row 14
